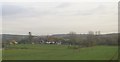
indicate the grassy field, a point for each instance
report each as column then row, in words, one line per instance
column 0, row 54
column 58, row 52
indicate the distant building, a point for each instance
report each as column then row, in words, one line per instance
column 13, row 42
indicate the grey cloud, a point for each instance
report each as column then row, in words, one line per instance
column 28, row 18
column 0, row 12
column 11, row 9
column 99, row 10
column 89, row 12
column 57, row 10
column 63, row 5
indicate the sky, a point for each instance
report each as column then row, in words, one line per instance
column 59, row 0
column 44, row 18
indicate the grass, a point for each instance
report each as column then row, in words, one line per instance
column 0, row 54
column 58, row 52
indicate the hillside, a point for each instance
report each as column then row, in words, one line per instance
column 103, row 37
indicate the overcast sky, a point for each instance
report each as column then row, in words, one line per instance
column 45, row 18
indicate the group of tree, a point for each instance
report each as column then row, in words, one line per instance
column 90, row 39
column 72, row 38
column 93, row 39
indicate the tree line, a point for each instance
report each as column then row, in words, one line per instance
column 82, row 40
column 90, row 39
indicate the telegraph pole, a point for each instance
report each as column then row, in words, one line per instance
column 30, row 37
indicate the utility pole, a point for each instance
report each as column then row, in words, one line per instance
column 30, row 37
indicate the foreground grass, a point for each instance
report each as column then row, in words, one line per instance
column 0, row 54
column 58, row 52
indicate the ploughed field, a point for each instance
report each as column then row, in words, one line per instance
column 58, row 52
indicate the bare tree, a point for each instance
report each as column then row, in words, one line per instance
column 90, row 39
column 72, row 37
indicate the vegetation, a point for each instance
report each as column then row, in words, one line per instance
column 58, row 52
column 71, row 38
column 0, row 54
column 70, row 46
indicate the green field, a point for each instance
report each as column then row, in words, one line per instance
column 58, row 52
column 0, row 54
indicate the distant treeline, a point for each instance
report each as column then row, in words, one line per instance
column 71, row 38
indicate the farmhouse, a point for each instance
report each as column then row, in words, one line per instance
column 13, row 42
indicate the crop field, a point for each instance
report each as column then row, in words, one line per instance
column 58, row 52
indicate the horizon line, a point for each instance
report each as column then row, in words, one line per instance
column 55, row 33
